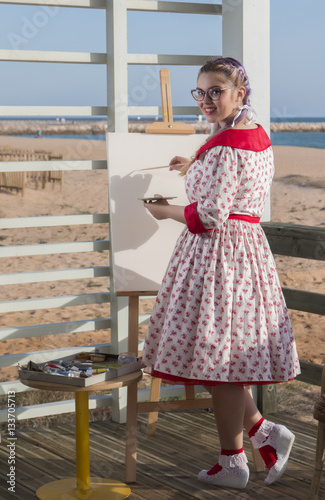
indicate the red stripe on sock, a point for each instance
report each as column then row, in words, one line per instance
column 268, row 453
column 255, row 428
column 217, row 468
column 231, row 452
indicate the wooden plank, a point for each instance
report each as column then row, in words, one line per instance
column 53, row 220
column 94, row 4
column 51, row 329
column 168, row 59
column 174, row 7
column 304, row 301
column 53, row 302
column 132, row 5
column 53, row 111
column 52, row 166
column 266, row 398
column 24, row 471
column 57, row 407
column 54, row 248
column 157, row 110
column 133, row 323
column 21, row 491
column 28, row 452
column 287, row 230
column 174, row 405
column 154, row 396
column 296, row 241
column 310, row 373
column 54, row 275
column 43, row 56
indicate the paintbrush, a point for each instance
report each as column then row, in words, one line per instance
column 156, row 168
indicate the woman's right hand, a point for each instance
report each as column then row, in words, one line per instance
column 178, row 163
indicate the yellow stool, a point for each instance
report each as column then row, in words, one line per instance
column 84, row 487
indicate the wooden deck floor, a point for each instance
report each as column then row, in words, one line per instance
column 168, row 462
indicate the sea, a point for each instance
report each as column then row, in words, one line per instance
column 299, row 139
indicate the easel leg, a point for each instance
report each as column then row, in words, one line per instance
column 153, row 415
column 189, row 392
column 133, row 323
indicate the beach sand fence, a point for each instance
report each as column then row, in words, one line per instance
column 18, row 181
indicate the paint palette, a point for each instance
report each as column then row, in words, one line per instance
column 79, row 369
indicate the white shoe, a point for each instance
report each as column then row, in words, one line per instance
column 281, row 439
column 234, row 473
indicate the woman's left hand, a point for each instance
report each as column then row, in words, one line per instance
column 158, row 208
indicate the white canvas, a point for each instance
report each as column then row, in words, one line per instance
column 141, row 245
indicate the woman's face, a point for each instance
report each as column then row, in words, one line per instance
column 229, row 100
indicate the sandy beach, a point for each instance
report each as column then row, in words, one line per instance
column 297, row 197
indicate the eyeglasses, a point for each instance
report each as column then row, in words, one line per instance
column 214, row 93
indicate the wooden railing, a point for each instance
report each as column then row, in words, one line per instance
column 307, row 243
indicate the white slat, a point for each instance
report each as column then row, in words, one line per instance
column 157, row 110
column 144, row 319
column 175, row 7
column 93, row 4
column 52, row 57
column 55, row 275
column 53, row 110
column 51, row 166
column 53, row 302
column 56, row 220
column 54, row 248
column 66, row 406
column 42, row 356
column 57, row 408
column 168, row 59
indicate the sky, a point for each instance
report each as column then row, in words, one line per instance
column 297, row 55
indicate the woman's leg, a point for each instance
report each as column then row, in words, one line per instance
column 251, row 413
column 234, row 409
column 229, row 404
column 273, row 441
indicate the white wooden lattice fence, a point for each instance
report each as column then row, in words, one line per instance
column 241, row 20
column 116, row 11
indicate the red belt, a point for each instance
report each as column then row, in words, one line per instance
column 246, row 218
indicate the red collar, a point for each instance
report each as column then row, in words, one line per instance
column 248, row 139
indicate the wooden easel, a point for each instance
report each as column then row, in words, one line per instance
column 167, row 126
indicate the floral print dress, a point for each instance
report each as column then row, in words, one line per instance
column 220, row 315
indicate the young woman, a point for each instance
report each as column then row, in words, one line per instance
column 220, row 319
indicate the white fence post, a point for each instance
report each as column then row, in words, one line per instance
column 246, row 37
column 117, row 81
column 117, row 121
column 119, row 343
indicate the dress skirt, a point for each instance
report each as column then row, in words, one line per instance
column 220, row 315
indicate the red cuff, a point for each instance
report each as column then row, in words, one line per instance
column 193, row 221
